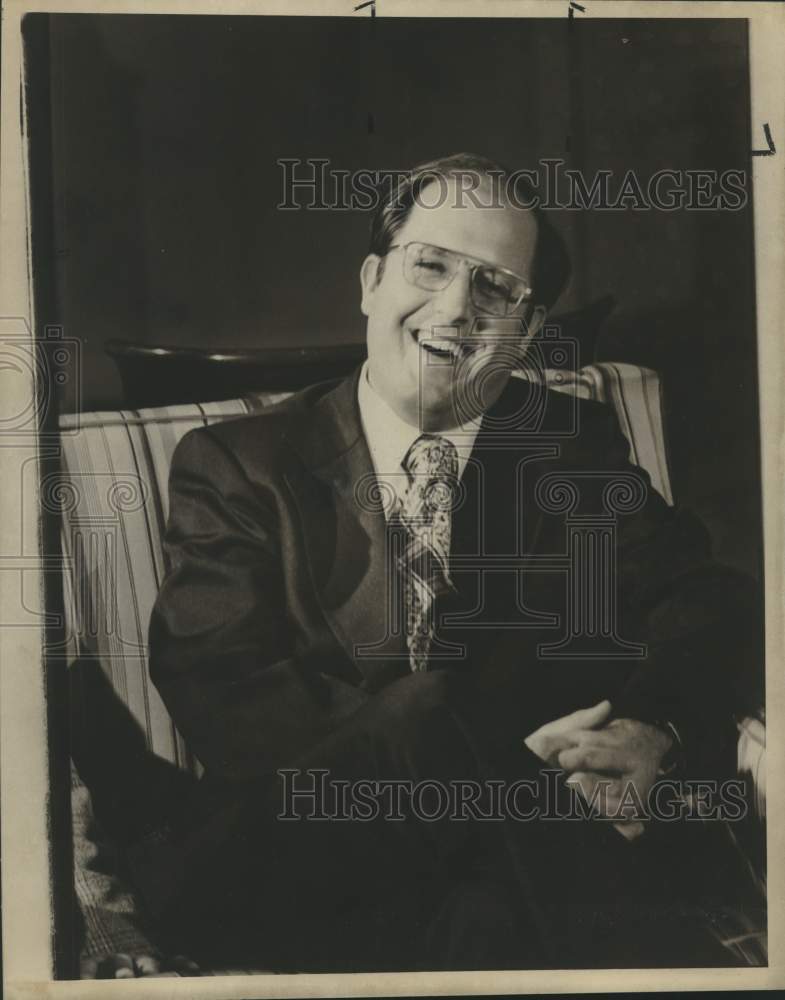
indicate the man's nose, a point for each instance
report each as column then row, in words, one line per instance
column 454, row 303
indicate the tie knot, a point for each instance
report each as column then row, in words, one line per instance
column 432, row 466
column 433, row 457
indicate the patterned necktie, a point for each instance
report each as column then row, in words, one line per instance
column 431, row 465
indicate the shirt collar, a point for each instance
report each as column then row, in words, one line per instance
column 389, row 437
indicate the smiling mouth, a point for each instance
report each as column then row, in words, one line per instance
column 441, row 347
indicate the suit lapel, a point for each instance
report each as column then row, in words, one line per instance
column 348, row 544
column 346, row 535
column 512, row 449
column 498, row 523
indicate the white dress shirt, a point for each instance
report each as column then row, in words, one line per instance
column 390, row 438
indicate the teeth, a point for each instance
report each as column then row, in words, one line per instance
column 443, row 345
column 440, row 344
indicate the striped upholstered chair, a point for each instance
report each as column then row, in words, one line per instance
column 112, row 493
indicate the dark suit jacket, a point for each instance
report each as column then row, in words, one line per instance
column 276, row 596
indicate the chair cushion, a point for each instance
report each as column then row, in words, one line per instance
column 112, row 494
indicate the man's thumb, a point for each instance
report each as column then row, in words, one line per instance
column 588, row 718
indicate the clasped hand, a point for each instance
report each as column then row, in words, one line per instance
column 603, row 758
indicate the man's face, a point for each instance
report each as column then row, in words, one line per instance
column 437, row 385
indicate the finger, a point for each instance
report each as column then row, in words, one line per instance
column 585, row 788
column 588, row 718
column 610, row 809
column 182, row 965
column 147, row 965
column 88, row 968
column 583, row 758
column 547, row 743
column 581, row 781
column 609, row 789
column 583, row 718
column 598, row 790
column 551, row 746
column 124, row 967
column 604, row 737
column 115, row 966
column 609, row 805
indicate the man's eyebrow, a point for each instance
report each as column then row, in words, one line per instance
column 478, row 260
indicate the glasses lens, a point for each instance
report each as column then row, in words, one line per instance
column 429, row 267
column 493, row 291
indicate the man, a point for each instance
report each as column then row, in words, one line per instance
column 359, row 585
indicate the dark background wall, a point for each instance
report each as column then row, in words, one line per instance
column 166, row 132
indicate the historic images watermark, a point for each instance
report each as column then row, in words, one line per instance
column 41, row 366
column 313, row 795
column 314, row 184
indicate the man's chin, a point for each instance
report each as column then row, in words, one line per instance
column 462, row 402
column 446, row 412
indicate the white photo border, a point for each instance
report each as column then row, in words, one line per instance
column 27, row 909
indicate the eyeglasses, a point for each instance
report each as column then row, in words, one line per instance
column 494, row 290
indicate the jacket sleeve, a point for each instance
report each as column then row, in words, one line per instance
column 223, row 652
column 700, row 621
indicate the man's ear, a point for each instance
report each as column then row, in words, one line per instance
column 370, row 276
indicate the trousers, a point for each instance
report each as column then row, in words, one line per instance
column 299, row 883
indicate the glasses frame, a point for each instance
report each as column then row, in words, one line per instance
column 474, row 264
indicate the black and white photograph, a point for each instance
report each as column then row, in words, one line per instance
column 392, row 487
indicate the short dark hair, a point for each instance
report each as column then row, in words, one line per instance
column 395, row 202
